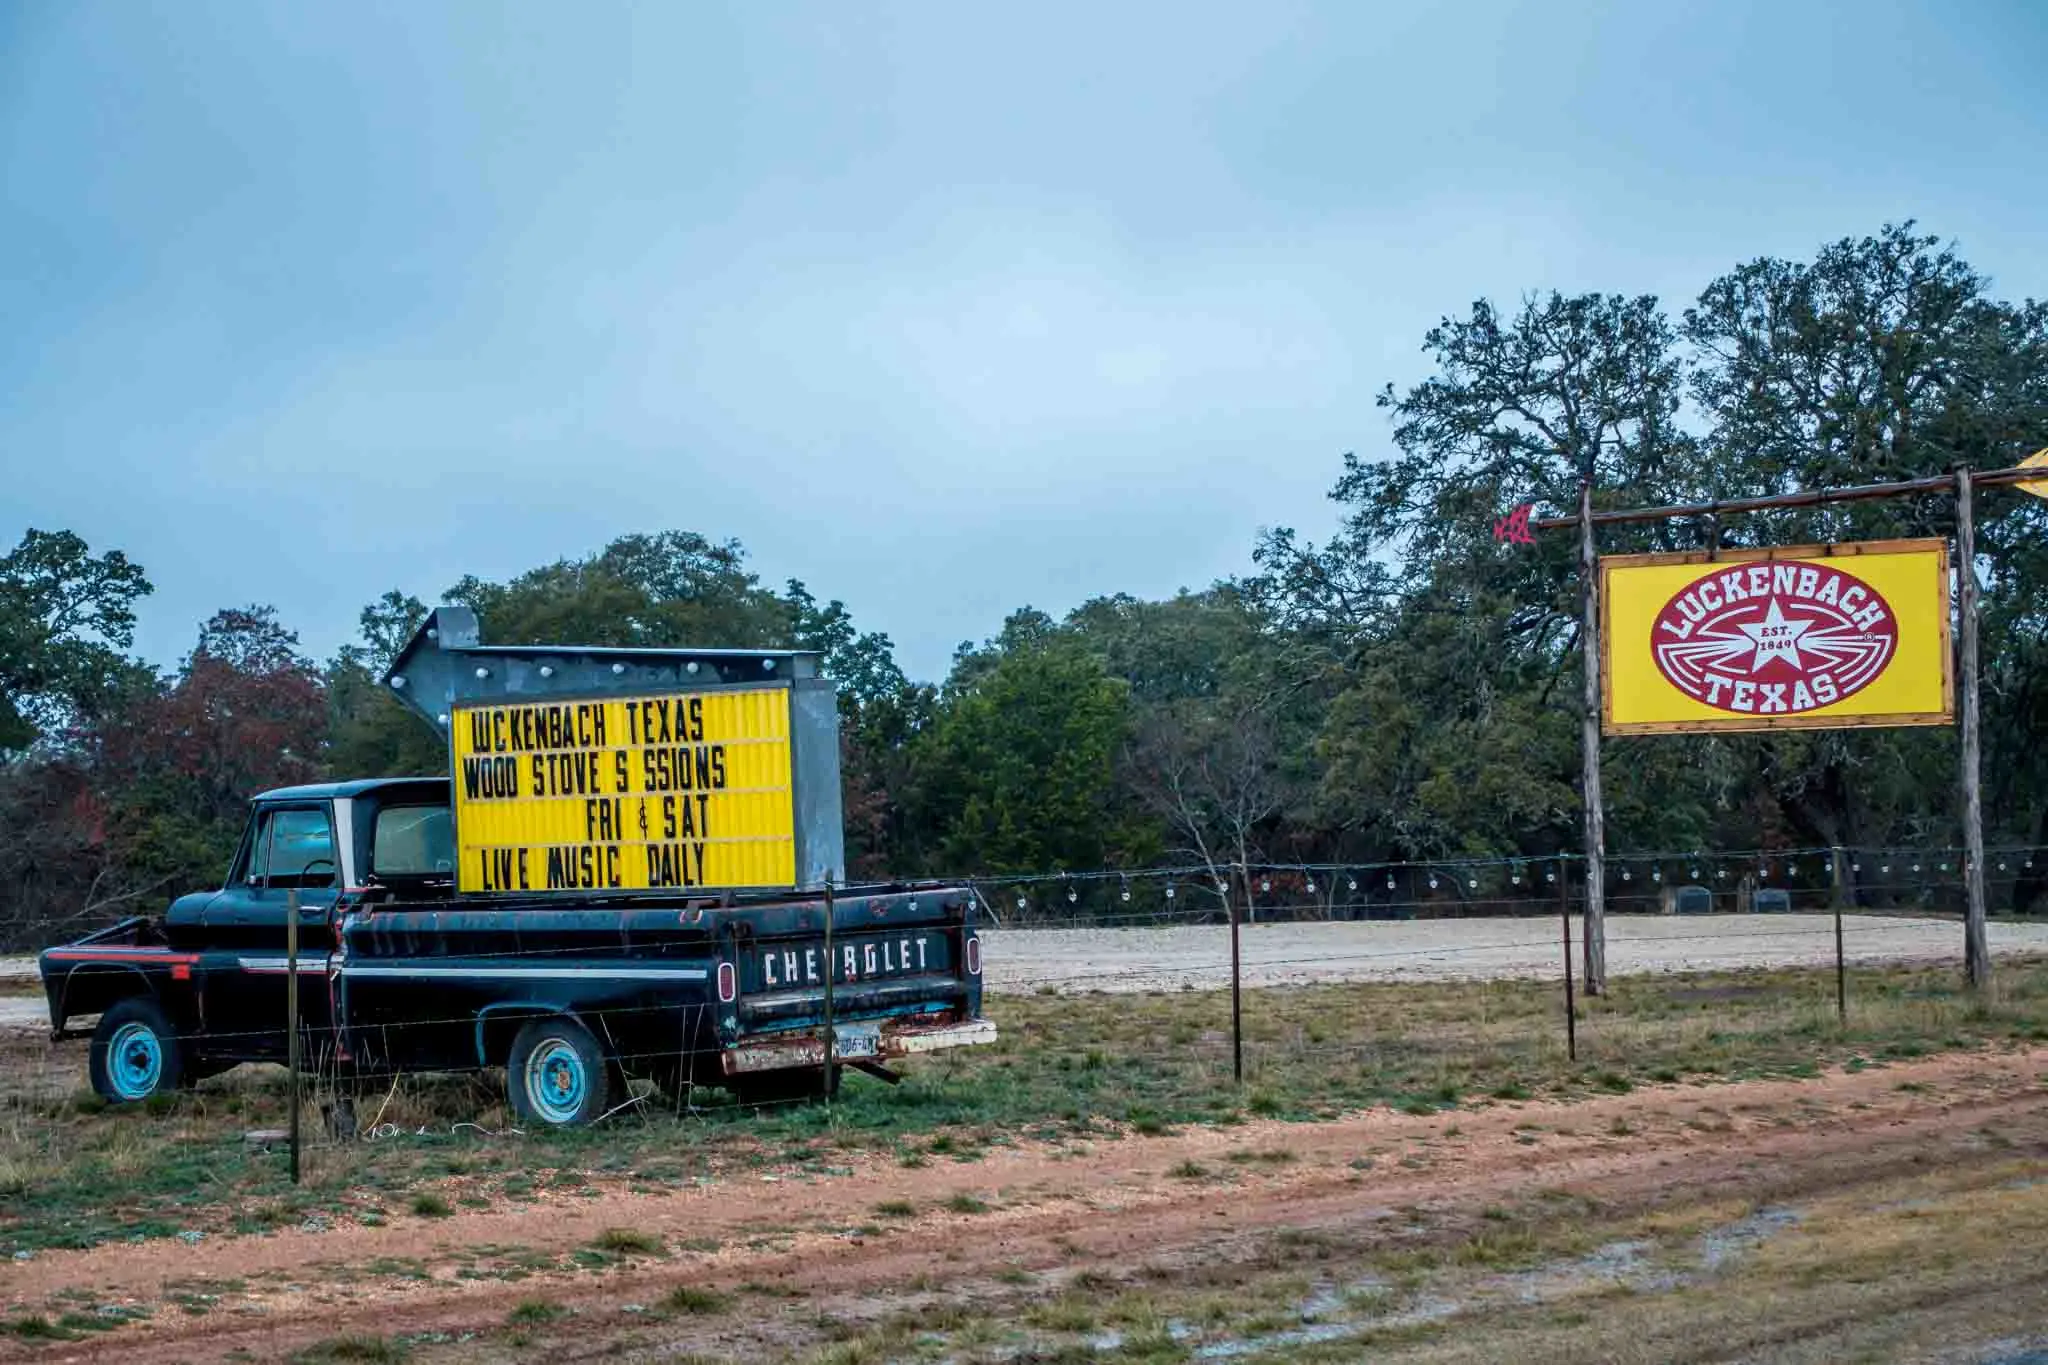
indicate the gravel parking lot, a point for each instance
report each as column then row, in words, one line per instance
column 1025, row 960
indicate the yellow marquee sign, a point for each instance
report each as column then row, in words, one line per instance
column 1814, row 636
column 625, row 793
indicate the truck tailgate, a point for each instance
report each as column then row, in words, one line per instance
column 904, row 970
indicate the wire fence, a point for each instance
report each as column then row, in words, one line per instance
column 1910, row 878
column 1246, row 982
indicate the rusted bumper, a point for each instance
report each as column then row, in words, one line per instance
column 808, row 1049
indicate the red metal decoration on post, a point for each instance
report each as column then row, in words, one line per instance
column 1513, row 529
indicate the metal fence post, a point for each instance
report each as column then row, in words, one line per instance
column 1564, row 914
column 1243, row 875
column 1841, row 957
column 831, row 966
column 291, row 1014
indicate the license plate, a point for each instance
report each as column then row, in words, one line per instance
column 857, row 1040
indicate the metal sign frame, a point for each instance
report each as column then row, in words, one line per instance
column 444, row 667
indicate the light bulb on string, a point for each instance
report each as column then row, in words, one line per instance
column 1550, row 876
column 1656, row 874
column 1432, row 881
column 1021, row 902
column 1169, row 893
column 1265, row 884
column 1309, row 886
column 1072, row 895
column 1390, row 881
column 1473, row 884
column 1353, row 883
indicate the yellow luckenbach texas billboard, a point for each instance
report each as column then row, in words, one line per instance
column 1813, row 636
column 625, row 793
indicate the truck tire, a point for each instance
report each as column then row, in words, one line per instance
column 558, row 1074
column 135, row 1053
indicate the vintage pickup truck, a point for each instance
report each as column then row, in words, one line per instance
column 572, row 989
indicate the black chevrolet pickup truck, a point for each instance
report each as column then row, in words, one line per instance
column 571, row 987
column 397, row 975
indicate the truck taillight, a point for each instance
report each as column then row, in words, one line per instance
column 974, row 956
column 728, row 984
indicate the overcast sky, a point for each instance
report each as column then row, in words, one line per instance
column 943, row 308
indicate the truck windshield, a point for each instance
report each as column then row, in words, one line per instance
column 414, row 841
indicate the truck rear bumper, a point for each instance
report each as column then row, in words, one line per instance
column 776, row 1054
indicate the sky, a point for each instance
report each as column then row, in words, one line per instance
column 941, row 308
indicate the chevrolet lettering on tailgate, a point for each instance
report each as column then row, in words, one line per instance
column 793, row 966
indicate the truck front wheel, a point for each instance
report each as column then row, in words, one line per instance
column 557, row 1073
column 135, row 1053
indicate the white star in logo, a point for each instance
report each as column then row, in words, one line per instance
column 1775, row 637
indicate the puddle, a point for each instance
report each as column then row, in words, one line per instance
column 1725, row 1245
column 1422, row 1311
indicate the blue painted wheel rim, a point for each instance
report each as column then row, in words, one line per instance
column 556, row 1081
column 135, row 1061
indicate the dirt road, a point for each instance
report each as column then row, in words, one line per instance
column 1250, row 1241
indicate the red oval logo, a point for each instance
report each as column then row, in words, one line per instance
column 1774, row 638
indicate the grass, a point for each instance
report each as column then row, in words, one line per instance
column 691, row 1300
column 533, row 1312
column 628, row 1242
column 1072, row 1068
column 369, row 1350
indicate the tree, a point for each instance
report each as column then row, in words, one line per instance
column 65, row 615
column 369, row 733
column 1017, row 773
column 1883, row 359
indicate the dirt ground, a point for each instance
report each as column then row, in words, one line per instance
column 1891, row 1212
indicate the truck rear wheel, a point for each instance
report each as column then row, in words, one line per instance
column 558, row 1074
column 135, row 1053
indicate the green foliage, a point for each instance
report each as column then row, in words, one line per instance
column 1019, row 771
column 1406, row 689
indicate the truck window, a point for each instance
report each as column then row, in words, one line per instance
column 414, row 841
column 293, row 848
